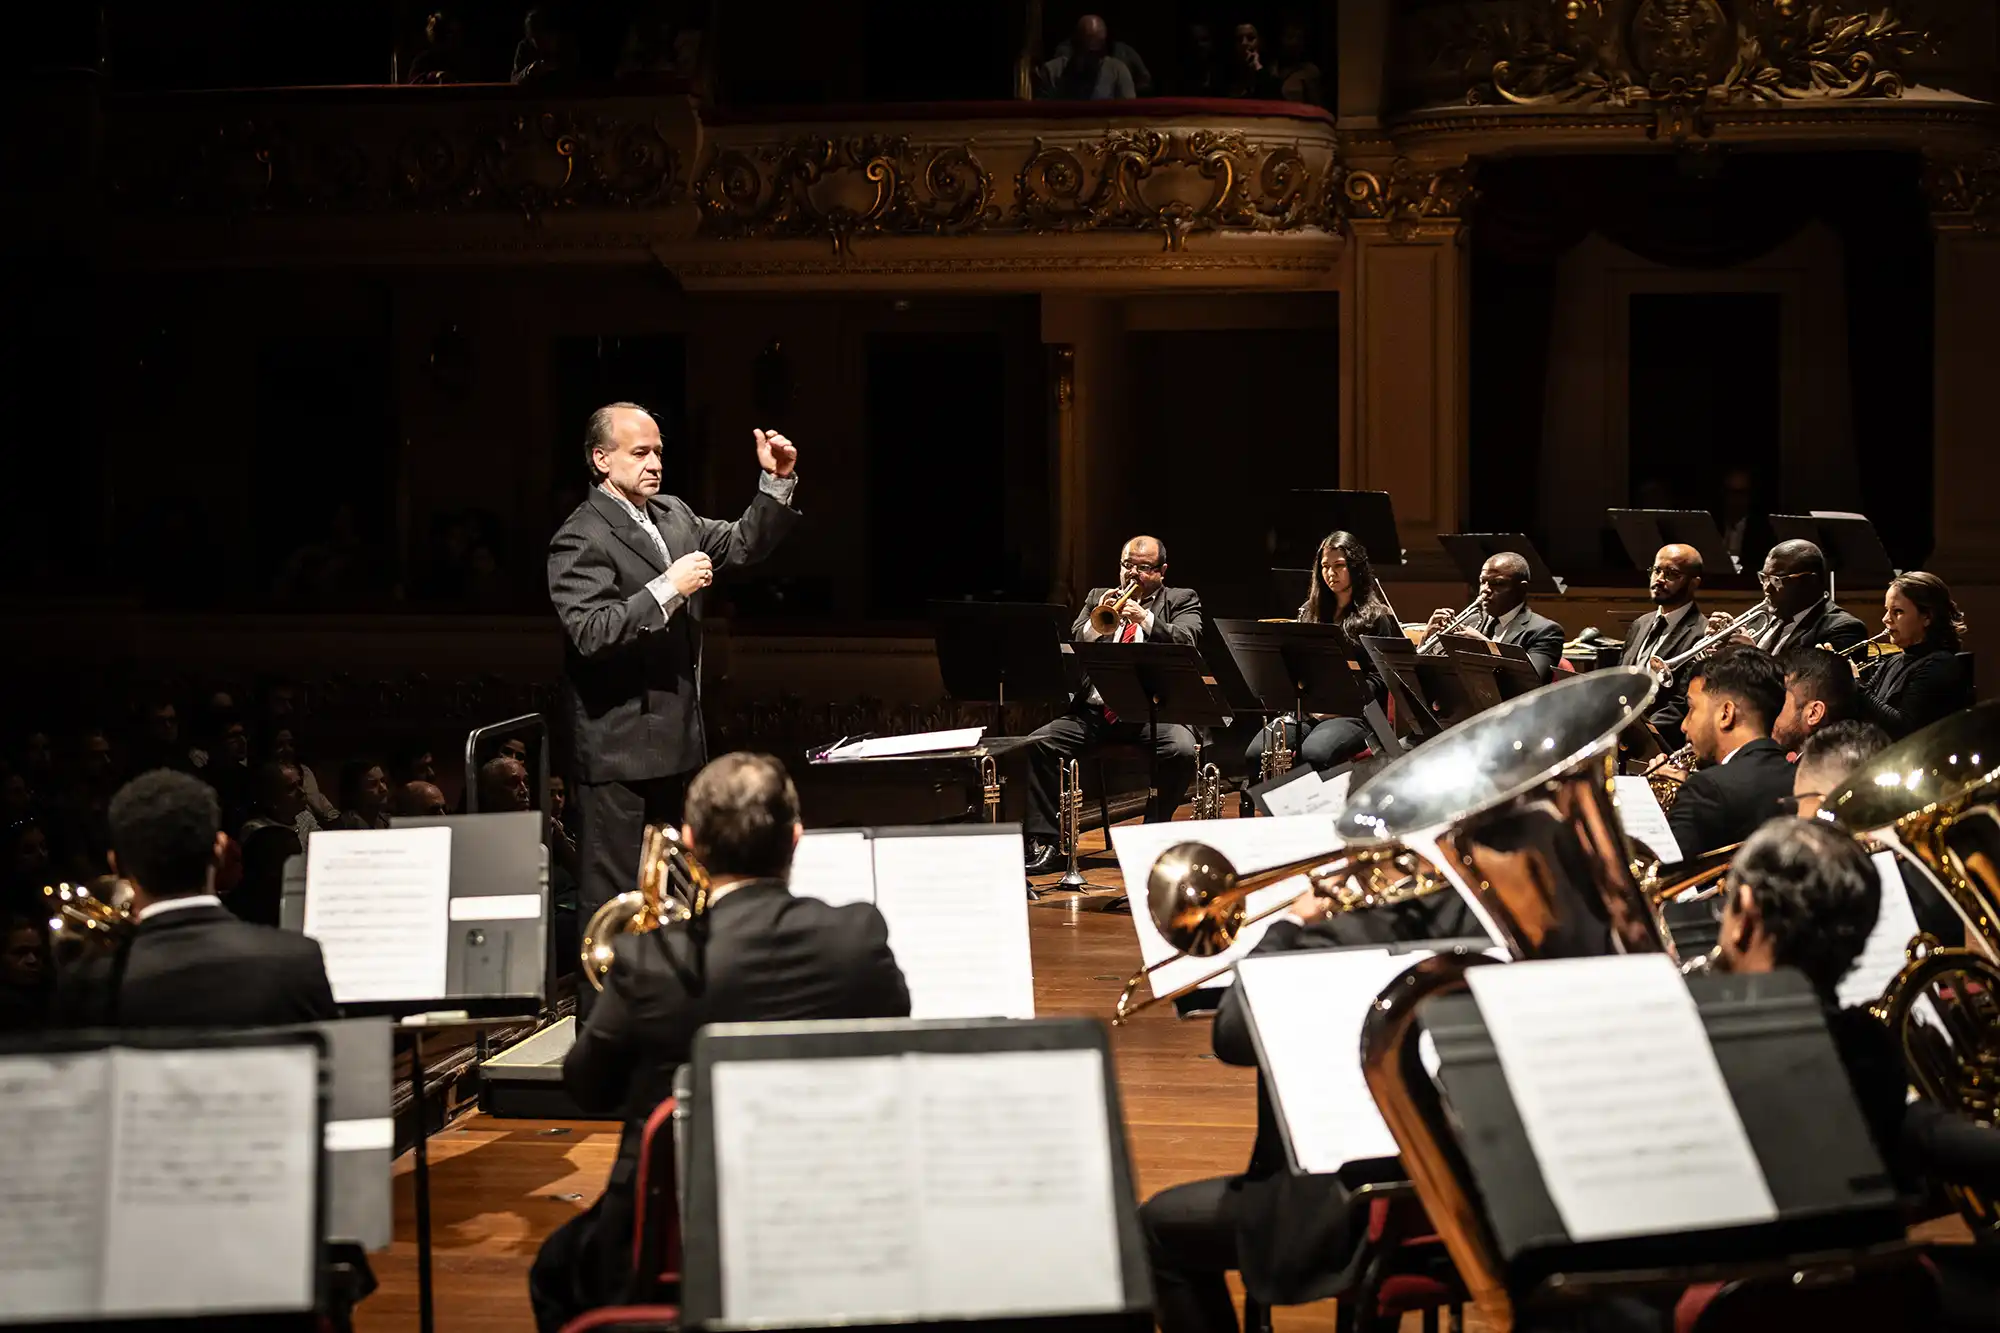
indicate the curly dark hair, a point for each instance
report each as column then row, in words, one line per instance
column 163, row 827
column 1366, row 605
column 1749, row 676
column 1817, row 892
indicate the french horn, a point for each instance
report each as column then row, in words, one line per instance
column 673, row 886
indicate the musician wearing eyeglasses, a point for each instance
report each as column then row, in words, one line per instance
column 1926, row 680
column 1506, row 617
column 1671, row 628
column 1141, row 608
column 1794, row 581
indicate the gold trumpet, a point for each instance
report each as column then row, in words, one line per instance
column 1711, row 642
column 1434, row 640
column 673, row 886
column 1104, row 616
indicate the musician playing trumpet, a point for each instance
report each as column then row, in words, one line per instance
column 1506, row 618
column 1139, row 608
column 1926, row 680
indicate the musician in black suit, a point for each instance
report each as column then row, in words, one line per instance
column 756, row 954
column 626, row 573
column 1342, row 593
column 1153, row 613
column 1671, row 628
column 1503, row 585
column 190, row 962
column 1742, row 778
column 1804, row 616
column 1819, row 691
column 1926, row 681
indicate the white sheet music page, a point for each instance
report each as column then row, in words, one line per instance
column 379, row 901
column 836, row 866
column 871, row 1188
column 1250, row 844
column 55, row 1121
column 1306, row 1010
column 1624, row 1104
column 1645, row 822
column 214, row 1182
column 923, row 742
column 1888, row 944
column 958, row 923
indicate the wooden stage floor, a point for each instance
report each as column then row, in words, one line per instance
column 499, row 1186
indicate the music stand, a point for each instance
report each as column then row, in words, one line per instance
column 1470, row 550
column 1642, row 532
column 1852, row 547
column 1307, row 668
column 988, row 652
column 1306, row 516
column 1506, row 665
column 1429, row 684
column 1166, row 682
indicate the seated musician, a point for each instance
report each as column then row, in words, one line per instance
column 1342, row 593
column 1906, row 691
column 1287, row 1234
column 1503, row 583
column 1742, row 777
column 1828, row 756
column 756, row 954
column 1671, row 628
column 1794, row 582
column 1819, row 691
column 191, row 962
column 1153, row 612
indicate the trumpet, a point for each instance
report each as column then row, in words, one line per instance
column 673, row 886
column 1104, row 616
column 1434, row 641
column 1713, row 641
column 1861, row 649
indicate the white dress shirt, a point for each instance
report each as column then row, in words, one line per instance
column 1665, row 627
column 1143, row 626
column 1789, row 629
column 1507, row 622
column 662, row 588
column 165, row 905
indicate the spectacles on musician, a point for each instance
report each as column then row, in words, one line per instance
column 1773, row 582
column 1138, row 566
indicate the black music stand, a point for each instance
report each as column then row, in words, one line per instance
column 1506, row 665
column 993, row 652
column 1433, row 697
column 1852, row 547
column 1165, row 682
column 1301, row 668
column 1305, row 517
column 1470, row 550
column 1642, row 532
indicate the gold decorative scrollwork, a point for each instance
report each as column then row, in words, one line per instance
column 1965, row 192
column 1405, row 196
column 1127, row 181
column 842, row 188
column 537, row 165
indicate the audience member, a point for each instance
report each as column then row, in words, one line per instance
column 442, row 58
column 159, row 743
column 1089, row 73
column 27, row 974
column 1247, row 76
column 656, row 43
column 271, row 836
column 1199, row 73
column 28, row 866
column 503, row 785
column 1298, row 74
column 364, row 796
column 319, row 811
column 547, row 52
column 414, row 765
column 1142, row 77
column 1819, row 691
column 417, row 798
column 18, row 800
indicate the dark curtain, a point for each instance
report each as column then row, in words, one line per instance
column 1711, row 211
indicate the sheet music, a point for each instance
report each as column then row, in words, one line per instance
column 958, row 923
column 215, row 1181
column 378, row 902
column 1251, row 844
column 836, row 866
column 1645, row 822
column 1306, row 1010
column 1624, row 1103
column 872, row 1188
column 1888, row 944
column 54, row 1124
column 1312, row 795
column 923, row 742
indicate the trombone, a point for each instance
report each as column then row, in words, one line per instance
column 1434, row 641
column 1712, row 641
column 1104, row 616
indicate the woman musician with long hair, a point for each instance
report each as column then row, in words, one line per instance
column 1343, row 593
column 1904, row 691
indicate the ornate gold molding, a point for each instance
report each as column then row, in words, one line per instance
column 1405, row 196
column 842, row 188
column 1965, row 191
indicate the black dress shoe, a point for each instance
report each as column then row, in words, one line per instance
column 1041, row 857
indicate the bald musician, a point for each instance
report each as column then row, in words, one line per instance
column 1503, row 582
column 1794, row 580
column 1673, row 626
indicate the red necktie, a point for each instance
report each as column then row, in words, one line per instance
column 1127, row 633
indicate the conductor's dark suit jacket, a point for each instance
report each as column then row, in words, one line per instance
column 1177, row 618
column 758, row 955
column 1726, row 803
column 1670, row 708
column 200, row 967
column 1540, row 637
column 631, row 673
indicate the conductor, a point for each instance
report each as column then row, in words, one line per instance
column 626, row 573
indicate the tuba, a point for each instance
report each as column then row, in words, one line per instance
column 673, row 886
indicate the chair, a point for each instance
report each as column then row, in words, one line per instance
column 656, row 1223
column 1891, row 1299
column 1403, row 1269
column 627, row 1319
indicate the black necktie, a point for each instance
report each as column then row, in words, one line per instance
column 1492, row 630
column 1654, row 637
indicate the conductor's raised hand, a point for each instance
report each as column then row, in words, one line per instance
column 691, row 573
column 776, row 454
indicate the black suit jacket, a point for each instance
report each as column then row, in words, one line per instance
column 1914, row 689
column 1832, row 625
column 200, row 967
column 1726, row 803
column 1670, row 709
column 631, row 673
column 1177, row 618
column 1293, row 1243
column 1541, row 637
column 757, row 955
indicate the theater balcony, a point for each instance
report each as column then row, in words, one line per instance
column 984, row 195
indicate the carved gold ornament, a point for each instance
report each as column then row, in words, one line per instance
column 1965, row 191
column 838, row 189
column 1405, row 196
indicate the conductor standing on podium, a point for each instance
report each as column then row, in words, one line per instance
column 626, row 574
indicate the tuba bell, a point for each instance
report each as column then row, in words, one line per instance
column 673, row 886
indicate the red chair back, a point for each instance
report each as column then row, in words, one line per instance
column 656, row 1224
column 627, row 1319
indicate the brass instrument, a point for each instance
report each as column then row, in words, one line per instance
column 1666, row 787
column 87, row 919
column 1513, row 808
column 1711, row 642
column 1870, row 651
column 673, row 886
column 1104, row 616
column 1207, row 803
column 1276, row 761
column 1069, row 821
column 1434, row 640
